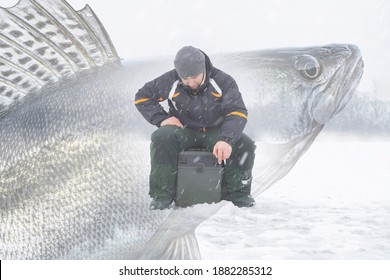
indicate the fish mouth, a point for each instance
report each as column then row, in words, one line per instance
column 334, row 95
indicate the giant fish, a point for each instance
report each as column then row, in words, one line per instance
column 74, row 155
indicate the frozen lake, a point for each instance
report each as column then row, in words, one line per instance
column 334, row 204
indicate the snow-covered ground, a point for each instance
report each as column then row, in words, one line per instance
column 334, row 204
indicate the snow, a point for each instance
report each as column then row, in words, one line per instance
column 334, row 204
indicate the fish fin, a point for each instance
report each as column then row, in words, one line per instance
column 183, row 247
column 43, row 42
column 175, row 238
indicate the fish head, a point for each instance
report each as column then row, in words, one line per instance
column 290, row 92
column 336, row 71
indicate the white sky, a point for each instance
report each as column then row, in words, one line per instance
column 142, row 28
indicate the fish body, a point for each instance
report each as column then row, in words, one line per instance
column 74, row 154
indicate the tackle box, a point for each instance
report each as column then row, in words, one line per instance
column 199, row 178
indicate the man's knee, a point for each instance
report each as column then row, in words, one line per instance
column 165, row 133
column 244, row 152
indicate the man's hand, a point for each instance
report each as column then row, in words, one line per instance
column 172, row 121
column 222, row 151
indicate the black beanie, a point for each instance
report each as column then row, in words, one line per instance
column 189, row 62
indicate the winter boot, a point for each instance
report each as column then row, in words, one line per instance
column 243, row 200
column 160, row 203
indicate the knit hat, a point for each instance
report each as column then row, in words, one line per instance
column 189, row 62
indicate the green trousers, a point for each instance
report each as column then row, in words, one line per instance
column 169, row 141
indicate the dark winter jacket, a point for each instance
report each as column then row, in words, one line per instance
column 216, row 104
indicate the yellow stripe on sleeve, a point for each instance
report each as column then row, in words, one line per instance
column 141, row 100
column 238, row 114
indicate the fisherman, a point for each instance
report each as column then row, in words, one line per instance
column 206, row 110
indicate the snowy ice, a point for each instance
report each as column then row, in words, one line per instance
column 334, row 204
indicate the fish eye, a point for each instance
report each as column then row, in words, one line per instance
column 308, row 66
